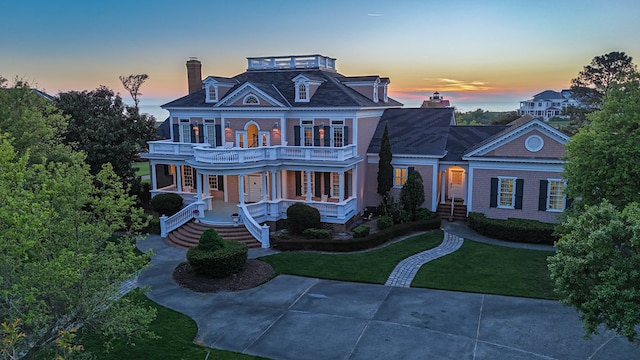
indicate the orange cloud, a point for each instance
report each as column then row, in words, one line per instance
column 457, row 85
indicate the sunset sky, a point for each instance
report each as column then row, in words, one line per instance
column 488, row 54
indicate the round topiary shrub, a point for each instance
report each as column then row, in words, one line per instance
column 167, row 204
column 384, row 222
column 210, row 240
column 301, row 217
column 217, row 262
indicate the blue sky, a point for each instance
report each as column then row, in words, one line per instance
column 476, row 53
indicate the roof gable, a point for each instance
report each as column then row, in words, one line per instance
column 263, row 92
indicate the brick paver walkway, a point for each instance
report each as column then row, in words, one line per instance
column 406, row 270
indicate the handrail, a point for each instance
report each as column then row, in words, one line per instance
column 453, row 201
column 170, row 223
column 261, row 233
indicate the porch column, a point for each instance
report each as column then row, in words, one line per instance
column 241, row 188
column 178, row 177
column 341, row 185
column 434, row 187
column 279, row 184
column 309, row 189
column 273, row 186
column 207, row 189
column 442, row 187
column 264, row 186
column 154, row 181
column 198, row 184
column 464, row 187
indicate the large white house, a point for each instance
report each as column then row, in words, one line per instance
column 548, row 104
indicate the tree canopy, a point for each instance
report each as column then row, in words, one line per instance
column 385, row 170
column 132, row 83
column 597, row 267
column 602, row 158
column 105, row 129
column 604, row 71
column 60, row 267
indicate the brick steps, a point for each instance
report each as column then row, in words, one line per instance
column 459, row 211
column 187, row 235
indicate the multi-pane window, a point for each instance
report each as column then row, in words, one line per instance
column 213, row 182
column 338, row 136
column 335, row 184
column 555, row 195
column 306, row 180
column 185, row 131
column 212, row 93
column 251, row 100
column 302, row 92
column 399, row 176
column 187, row 176
column 506, row 192
column 210, row 134
column 307, row 132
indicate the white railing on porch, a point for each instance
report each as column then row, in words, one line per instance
column 260, row 232
column 221, row 155
column 170, row 223
column 168, row 147
column 329, row 211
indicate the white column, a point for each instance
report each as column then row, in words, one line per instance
column 442, row 188
column 154, row 181
column 198, row 184
column 279, row 185
column 273, row 186
column 241, row 188
column 264, row 186
column 470, row 191
column 434, row 187
column 178, row 177
column 464, row 184
column 341, row 185
column 308, row 175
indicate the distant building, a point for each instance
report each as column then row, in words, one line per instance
column 435, row 101
column 548, row 104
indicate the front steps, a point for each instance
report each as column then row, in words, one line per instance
column 187, row 235
column 459, row 210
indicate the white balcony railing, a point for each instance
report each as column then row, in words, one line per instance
column 168, row 147
column 221, row 155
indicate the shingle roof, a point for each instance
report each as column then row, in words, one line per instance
column 462, row 138
column 331, row 93
column 164, row 130
column 510, row 126
column 548, row 95
column 419, row 131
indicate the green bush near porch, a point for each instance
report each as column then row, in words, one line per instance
column 516, row 230
column 216, row 257
column 301, row 217
column 167, row 204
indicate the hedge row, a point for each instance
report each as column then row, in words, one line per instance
column 372, row 240
column 516, row 230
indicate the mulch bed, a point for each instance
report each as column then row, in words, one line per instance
column 255, row 272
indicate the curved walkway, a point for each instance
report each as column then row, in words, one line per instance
column 403, row 274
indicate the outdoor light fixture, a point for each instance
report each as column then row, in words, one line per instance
column 227, row 125
column 275, row 125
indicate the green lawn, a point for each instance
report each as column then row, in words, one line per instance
column 368, row 267
column 176, row 333
column 483, row 268
column 142, row 168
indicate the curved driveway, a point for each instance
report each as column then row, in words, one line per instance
column 294, row 317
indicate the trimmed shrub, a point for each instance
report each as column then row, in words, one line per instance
column 227, row 260
column 384, row 222
column 516, row 230
column 210, row 240
column 357, row 244
column 360, row 231
column 318, row 233
column 167, row 204
column 425, row 214
column 301, row 217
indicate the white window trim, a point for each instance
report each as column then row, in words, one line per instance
column 185, row 130
column 262, row 133
column 208, row 98
column 303, row 124
column 188, row 176
column 406, row 168
column 215, row 178
column 564, row 196
column 209, row 138
column 335, row 185
column 244, row 101
column 534, row 143
column 303, row 183
column 307, row 92
column 513, row 194
column 243, row 133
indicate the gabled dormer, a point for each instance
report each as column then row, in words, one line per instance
column 372, row 87
column 215, row 88
column 305, row 87
column 384, row 83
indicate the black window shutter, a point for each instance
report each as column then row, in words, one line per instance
column 569, row 201
column 220, row 182
column 166, row 170
column 193, row 133
column 345, row 135
column 316, row 136
column 218, row 135
column 493, row 201
column 542, row 196
column 346, row 185
column 327, row 136
column 296, row 135
column 410, row 170
column 317, row 185
column 519, row 192
column 298, row 183
column 327, row 184
column 200, row 133
column 176, row 133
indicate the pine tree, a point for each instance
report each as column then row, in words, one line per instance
column 385, row 170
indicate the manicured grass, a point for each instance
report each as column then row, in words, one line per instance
column 176, row 333
column 368, row 267
column 142, row 168
column 490, row 269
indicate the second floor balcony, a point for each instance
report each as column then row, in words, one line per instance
column 204, row 153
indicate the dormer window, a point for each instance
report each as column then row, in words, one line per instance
column 305, row 87
column 375, row 90
column 211, row 93
column 251, row 100
column 301, row 93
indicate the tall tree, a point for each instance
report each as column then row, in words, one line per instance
column 603, row 155
column 505, row 118
column 132, row 83
column 59, row 265
column 105, row 129
column 597, row 78
column 597, row 267
column 412, row 194
column 385, row 170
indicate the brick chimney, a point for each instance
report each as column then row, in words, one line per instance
column 194, row 74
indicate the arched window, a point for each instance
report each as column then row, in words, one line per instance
column 251, row 100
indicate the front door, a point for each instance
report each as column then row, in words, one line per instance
column 254, row 191
column 456, row 184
